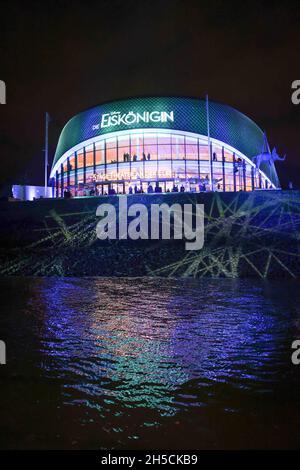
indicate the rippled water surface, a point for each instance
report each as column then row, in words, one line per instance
column 149, row 363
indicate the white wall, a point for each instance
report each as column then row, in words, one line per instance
column 28, row 193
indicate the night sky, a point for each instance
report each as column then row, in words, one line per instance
column 65, row 56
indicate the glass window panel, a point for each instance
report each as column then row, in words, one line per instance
column 216, row 154
column 204, row 169
column 218, row 175
column 191, row 151
column 164, row 139
column 179, row 169
column 228, row 156
column 192, row 170
column 72, row 162
column 124, row 171
column 80, row 176
column 178, row 151
column 150, row 170
column 248, row 184
column 99, row 153
column 248, row 169
column 137, row 170
column 124, row 154
column 203, row 152
column 111, row 143
column 137, row 139
column 111, row 173
column 164, row 152
column 111, row 155
column 123, row 141
column 191, row 140
column 100, row 144
column 150, row 139
column 100, row 173
column 164, row 169
column 89, row 174
column 89, row 158
column 177, row 139
column 80, row 159
column 229, row 182
column 150, row 151
column 136, row 152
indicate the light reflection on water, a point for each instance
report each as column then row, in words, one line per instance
column 170, row 348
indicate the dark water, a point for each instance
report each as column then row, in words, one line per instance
column 149, row 363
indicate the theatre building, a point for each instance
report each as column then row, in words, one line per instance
column 160, row 143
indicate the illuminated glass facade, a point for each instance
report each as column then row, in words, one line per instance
column 142, row 150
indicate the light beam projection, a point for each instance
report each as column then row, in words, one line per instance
column 254, row 239
column 246, row 235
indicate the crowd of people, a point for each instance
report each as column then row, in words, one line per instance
column 202, row 186
column 127, row 157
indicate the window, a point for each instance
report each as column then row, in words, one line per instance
column 123, row 141
column 72, row 162
column 164, row 152
column 124, row 172
column 100, row 173
column 89, row 175
column 150, row 170
column 150, row 139
column 80, row 159
column 72, row 179
column 111, row 155
column 99, row 153
column 89, row 155
column 164, row 139
column 164, row 146
column 150, row 152
column 192, row 170
column 178, row 169
column 191, row 148
column 159, row 154
column 111, row 143
column 203, row 152
column 178, row 150
column 228, row 156
column 164, row 169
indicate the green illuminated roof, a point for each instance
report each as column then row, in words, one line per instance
column 226, row 124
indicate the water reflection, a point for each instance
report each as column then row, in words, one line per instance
column 113, row 346
column 135, row 342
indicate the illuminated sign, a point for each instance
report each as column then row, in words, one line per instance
column 181, row 114
column 227, row 125
column 116, row 118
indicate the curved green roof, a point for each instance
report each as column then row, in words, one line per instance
column 189, row 114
